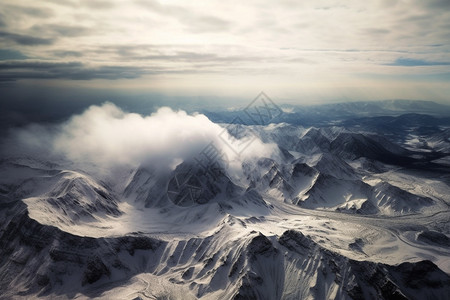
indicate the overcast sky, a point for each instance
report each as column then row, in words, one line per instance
column 293, row 50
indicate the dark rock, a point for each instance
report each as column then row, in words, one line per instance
column 295, row 241
column 435, row 238
column 95, row 269
column 260, row 245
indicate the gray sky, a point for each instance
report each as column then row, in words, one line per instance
column 293, row 50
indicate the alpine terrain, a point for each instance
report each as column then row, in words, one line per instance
column 351, row 207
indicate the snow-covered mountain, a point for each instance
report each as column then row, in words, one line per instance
column 337, row 213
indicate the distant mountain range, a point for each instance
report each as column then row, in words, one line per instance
column 340, row 113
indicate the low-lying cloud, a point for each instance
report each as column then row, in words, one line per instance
column 107, row 137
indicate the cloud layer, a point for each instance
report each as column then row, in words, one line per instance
column 108, row 137
column 212, row 45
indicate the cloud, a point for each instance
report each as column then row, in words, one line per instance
column 193, row 20
column 38, row 65
column 15, row 70
column 195, row 57
column 376, row 32
column 2, row 22
column 60, row 30
column 94, row 4
column 25, row 40
column 411, row 62
column 295, row 49
column 68, row 53
column 36, row 12
column 98, row 4
column 436, row 4
column 107, row 137
column 68, row 3
column 6, row 54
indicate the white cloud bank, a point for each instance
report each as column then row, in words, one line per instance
column 107, row 137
